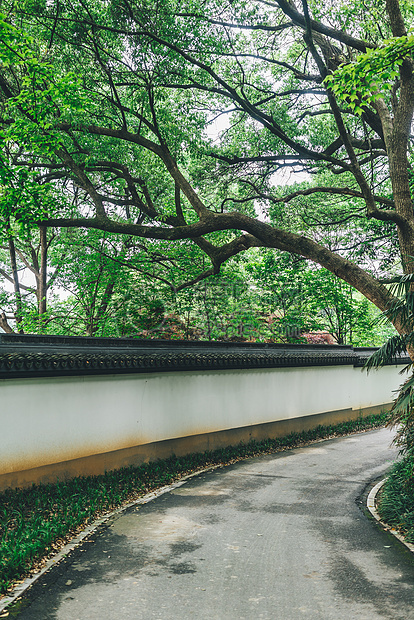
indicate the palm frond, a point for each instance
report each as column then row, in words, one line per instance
column 393, row 348
column 400, row 309
column 400, row 284
column 401, row 306
column 402, row 416
column 397, row 310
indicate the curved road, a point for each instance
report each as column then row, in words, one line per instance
column 279, row 537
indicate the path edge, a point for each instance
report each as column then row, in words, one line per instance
column 20, row 589
column 371, row 505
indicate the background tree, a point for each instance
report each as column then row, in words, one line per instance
column 25, row 298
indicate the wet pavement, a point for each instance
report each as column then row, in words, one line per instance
column 278, row 537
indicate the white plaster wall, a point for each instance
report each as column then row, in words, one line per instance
column 48, row 420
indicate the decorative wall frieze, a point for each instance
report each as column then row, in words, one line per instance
column 43, row 356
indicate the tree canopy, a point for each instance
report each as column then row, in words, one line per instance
column 153, row 121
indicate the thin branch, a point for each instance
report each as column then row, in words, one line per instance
column 343, row 191
column 290, row 10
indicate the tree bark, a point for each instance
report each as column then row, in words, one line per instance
column 103, row 306
column 16, row 286
column 5, row 325
column 42, row 282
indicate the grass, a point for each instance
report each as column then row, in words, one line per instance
column 396, row 500
column 37, row 521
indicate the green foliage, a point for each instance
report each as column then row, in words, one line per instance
column 39, row 100
column 120, row 289
column 396, row 499
column 372, row 75
column 87, row 69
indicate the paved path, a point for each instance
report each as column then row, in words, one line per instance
column 279, row 537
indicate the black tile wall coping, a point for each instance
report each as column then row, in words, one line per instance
column 45, row 356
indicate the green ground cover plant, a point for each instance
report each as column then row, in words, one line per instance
column 37, row 521
column 396, row 500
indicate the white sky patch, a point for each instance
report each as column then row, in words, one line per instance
column 216, row 125
column 289, row 176
column 26, row 277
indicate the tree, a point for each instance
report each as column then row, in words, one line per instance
column 29, row 252
column 115, row 99
column 338, row 308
